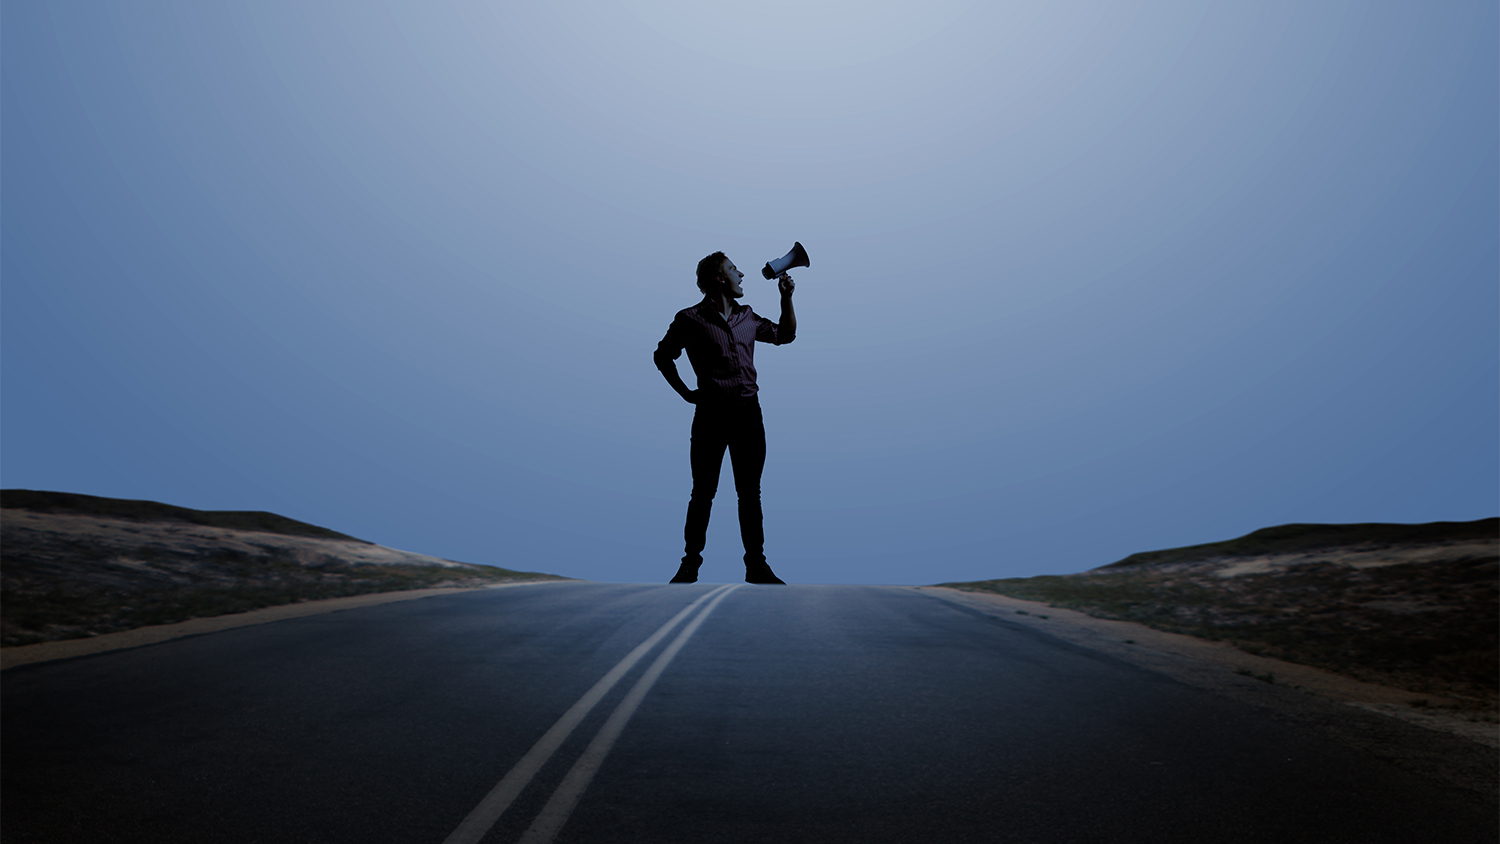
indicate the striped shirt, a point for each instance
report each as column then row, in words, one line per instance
column 722, row 353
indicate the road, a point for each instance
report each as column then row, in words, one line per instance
column 626, row 712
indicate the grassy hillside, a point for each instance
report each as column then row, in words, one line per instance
column 38, row 501
column 73, row 566
column 1302, row 539
column 1412, row 606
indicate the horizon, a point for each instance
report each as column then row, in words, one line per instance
column 1086, row 281
column 1148, row 551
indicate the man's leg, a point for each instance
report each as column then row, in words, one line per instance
column 747, row 454
column 707, row 456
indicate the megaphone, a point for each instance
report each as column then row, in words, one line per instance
column 795, row 258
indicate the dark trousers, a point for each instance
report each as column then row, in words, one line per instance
column 736, row 425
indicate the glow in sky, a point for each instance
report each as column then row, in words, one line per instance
column 1088, row 278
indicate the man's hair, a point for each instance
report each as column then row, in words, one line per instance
column 709, row 270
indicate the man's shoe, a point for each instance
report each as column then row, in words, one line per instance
column 761, row 573
column 686, row 573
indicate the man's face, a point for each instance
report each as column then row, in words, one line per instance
column 732, row 278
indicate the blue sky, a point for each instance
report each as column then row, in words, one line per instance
column 1088, row 278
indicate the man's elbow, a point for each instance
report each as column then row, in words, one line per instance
column 663, row 361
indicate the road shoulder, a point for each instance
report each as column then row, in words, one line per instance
column 69, row 648
column 1443, row 745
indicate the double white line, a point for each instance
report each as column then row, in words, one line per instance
column 555, row 813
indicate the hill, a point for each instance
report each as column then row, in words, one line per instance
column 1410, row 606
column 1299, row 539
column 39, row 501
column 73, row 565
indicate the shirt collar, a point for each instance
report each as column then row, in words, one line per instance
column 708, row 306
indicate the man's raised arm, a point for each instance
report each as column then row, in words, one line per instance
column 786, row 330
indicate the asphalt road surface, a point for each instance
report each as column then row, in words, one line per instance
column 619, row 713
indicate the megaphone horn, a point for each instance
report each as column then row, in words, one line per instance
column 795, row 258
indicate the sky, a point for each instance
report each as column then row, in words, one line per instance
column 1088, row 278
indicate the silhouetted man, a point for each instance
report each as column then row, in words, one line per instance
column 719, row 336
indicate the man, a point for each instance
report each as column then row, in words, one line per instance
column 719, row 336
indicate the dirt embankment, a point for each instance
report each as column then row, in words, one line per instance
column 79, row 566
column 1413, row 607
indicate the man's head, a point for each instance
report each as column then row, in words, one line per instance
column 718, row 274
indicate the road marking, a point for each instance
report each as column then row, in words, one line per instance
column 547, row 824
column 504, row 793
